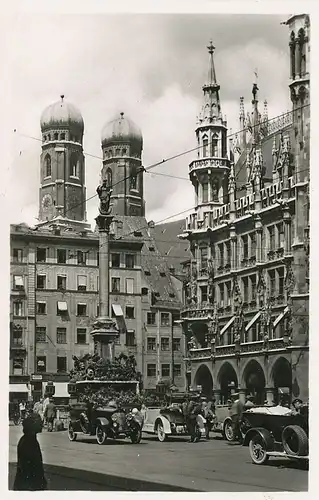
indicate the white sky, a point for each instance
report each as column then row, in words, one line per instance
column 152, row 67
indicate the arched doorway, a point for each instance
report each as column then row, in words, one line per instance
column 282, row 379
column 204, row 378
column 228, row 381
column 254, row 378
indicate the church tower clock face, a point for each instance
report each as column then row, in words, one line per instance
column 47, row 202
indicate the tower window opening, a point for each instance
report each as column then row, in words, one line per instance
column 56, row 136
column 49, row 137
column 117, row 152
column 75, row 166
column 47, row 166
column 302, row 55
column 205, row 147
column 109, row 177
column 124, row 151
column 62, row 136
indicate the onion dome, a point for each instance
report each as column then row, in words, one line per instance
column 62, row 114
column 122, row 130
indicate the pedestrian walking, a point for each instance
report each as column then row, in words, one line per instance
column 193, row 410
column 22, row 409
column 236, row 414
column 30, row 473
column 50, row 414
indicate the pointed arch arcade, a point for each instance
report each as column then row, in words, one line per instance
column 227, row 380
column 204, row 378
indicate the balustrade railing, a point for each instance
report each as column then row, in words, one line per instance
column 208, row 163
column 228, row 350
column 281, row 122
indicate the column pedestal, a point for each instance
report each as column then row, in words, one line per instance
column 104, row 333
column 270, row 395
column 217, row 396
column 242, row 395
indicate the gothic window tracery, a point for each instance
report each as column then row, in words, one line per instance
column 292, row 54
column 214, row 145
column 47, row 166
column 205, row 146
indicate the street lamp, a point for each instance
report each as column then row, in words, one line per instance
column 105, row 330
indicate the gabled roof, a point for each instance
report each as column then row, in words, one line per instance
column 173, row 249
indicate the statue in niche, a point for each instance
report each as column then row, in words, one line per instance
column 133, row 181
column 104, row 192
column 215, row 191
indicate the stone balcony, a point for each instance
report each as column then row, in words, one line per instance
column 206, row 163
column 204, row 353
column 199, row 311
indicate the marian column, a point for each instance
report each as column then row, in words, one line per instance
column 104, row 328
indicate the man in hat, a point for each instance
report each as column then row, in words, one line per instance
column 249, row 402
column 193, row 409
column 236, row 413
column 297, row 406
column 50, row 414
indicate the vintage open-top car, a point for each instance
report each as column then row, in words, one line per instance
column 276, row 431
column 169, row 419
column 109, row 420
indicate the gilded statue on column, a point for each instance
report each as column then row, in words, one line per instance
column 104, row 192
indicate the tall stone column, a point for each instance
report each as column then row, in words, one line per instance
column 104, row 328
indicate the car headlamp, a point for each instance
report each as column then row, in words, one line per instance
column 114, row 418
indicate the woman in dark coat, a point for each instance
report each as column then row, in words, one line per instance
column 30, row 473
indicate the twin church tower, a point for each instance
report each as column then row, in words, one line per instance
column 62, row 176
column 62, row 189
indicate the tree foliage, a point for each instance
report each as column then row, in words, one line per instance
column 122, row 368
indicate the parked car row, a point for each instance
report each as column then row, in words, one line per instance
column 266, row 431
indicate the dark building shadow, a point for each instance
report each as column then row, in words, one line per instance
column 69, row 479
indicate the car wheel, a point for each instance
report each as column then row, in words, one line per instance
column 72, row 435
column 228, row 431
column 161, row 433
column 136, row 436
column 100, row 434
column 295, row 441
column 257, row 450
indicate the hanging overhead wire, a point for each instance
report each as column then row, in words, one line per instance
column 147, row 169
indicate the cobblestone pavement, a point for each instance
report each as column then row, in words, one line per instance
column 213, row 465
